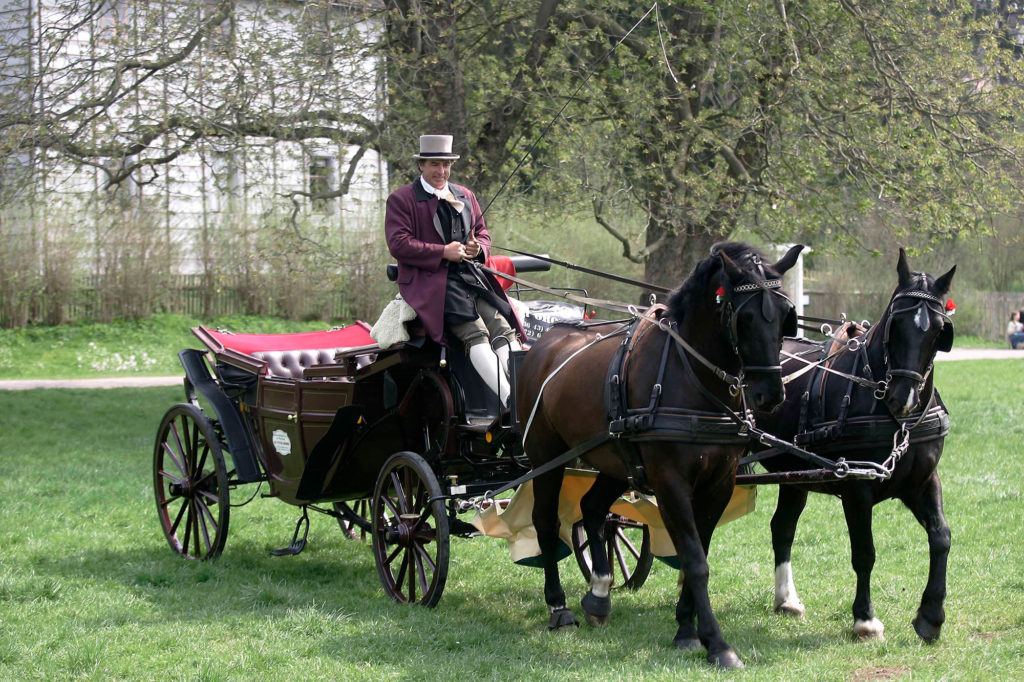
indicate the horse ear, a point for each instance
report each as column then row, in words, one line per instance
column 943, row 283
column 902, row 269
column 789, row 260
column 733, row 272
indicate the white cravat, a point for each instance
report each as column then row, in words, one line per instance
column 445, row 194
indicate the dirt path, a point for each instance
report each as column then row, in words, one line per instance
column 134, row 382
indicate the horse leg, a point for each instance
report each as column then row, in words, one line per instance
column 787, row 513
column 857, row 508
column 686, row 636
column 546, row 489
column 597, row 603
column 676, row 501
column 926, row 505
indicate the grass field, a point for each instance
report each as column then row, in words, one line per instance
column 89, row 589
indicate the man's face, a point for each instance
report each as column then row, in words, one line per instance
column 436, row 172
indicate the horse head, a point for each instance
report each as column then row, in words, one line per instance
column 736, row 285
column 916, row 327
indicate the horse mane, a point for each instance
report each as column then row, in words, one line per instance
column 690, row 293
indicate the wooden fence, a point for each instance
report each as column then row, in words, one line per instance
column 93, row 299
column 981, row 314
column 978, row 313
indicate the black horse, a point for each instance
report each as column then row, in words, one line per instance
column 723, row 329
column 888, row 416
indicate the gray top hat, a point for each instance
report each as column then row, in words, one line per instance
column 436, row 147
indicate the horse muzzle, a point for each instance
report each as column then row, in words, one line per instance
column 765, row 390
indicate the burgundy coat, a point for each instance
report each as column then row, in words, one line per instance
column 415, row 239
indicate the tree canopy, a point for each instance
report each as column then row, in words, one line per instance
column 674, row 124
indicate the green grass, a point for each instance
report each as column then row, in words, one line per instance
column 146, row 347
column 89, row 589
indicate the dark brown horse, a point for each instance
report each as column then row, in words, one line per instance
column 723, row 327
column 867, row 421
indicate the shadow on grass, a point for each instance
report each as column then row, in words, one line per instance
column 332, row 598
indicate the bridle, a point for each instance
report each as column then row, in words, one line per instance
column 920, row 304
column 731, row 308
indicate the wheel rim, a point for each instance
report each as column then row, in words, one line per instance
column 410, row 531
column 628, row 544
column 190, row 481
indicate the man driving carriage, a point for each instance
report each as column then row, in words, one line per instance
column 436, row 231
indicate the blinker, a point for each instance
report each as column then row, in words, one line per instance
column 767, row 309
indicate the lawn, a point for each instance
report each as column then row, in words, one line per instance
column 89, row 589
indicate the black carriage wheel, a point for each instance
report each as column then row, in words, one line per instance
column 410, row 531
column 191, row 484
column 355, row 518
column 628, row 544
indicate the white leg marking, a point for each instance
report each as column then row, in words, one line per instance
column 786, row 599
column 600, row 585
column 552, row 609
column 869, row 629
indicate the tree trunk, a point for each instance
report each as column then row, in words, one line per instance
column 675, row 259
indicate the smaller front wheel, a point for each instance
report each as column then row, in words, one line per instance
column 410, row 531
column 191, row 483
column 628, row 544
column 354, row 521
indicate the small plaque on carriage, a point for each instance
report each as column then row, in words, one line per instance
column 282, row 443
column 457, row 490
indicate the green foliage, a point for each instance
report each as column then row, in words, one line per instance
column 90, row 590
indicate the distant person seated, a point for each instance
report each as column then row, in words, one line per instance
column 1015, row 330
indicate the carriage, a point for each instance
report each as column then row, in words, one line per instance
column 406, row 437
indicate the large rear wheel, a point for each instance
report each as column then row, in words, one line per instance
column 191, row 483
column 410, row 531
column 628, row 544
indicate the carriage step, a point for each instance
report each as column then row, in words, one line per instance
column 298, row 544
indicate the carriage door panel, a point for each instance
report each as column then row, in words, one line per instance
column 281, row 437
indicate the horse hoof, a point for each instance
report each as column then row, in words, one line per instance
column 793, row 609
column 927, row 631
column 869, row 630
column 562, row 618
column 726, row 660
column 688, row 644
column 596, row 609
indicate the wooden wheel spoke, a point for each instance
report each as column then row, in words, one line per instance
column 620, row 557
column 178, row 460
column 391, row 557
column 201, row 464
column 390, row 504
column 187, row 508
column 421, row 574
column 620, row 539
column 399, row 499
column 204, row 521
column 400, row 578
column 177, row 520
column 422, row 552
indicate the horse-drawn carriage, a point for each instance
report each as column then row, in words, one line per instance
column 399, row 443
column 391, row 442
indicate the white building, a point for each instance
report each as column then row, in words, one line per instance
column 229, row 127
